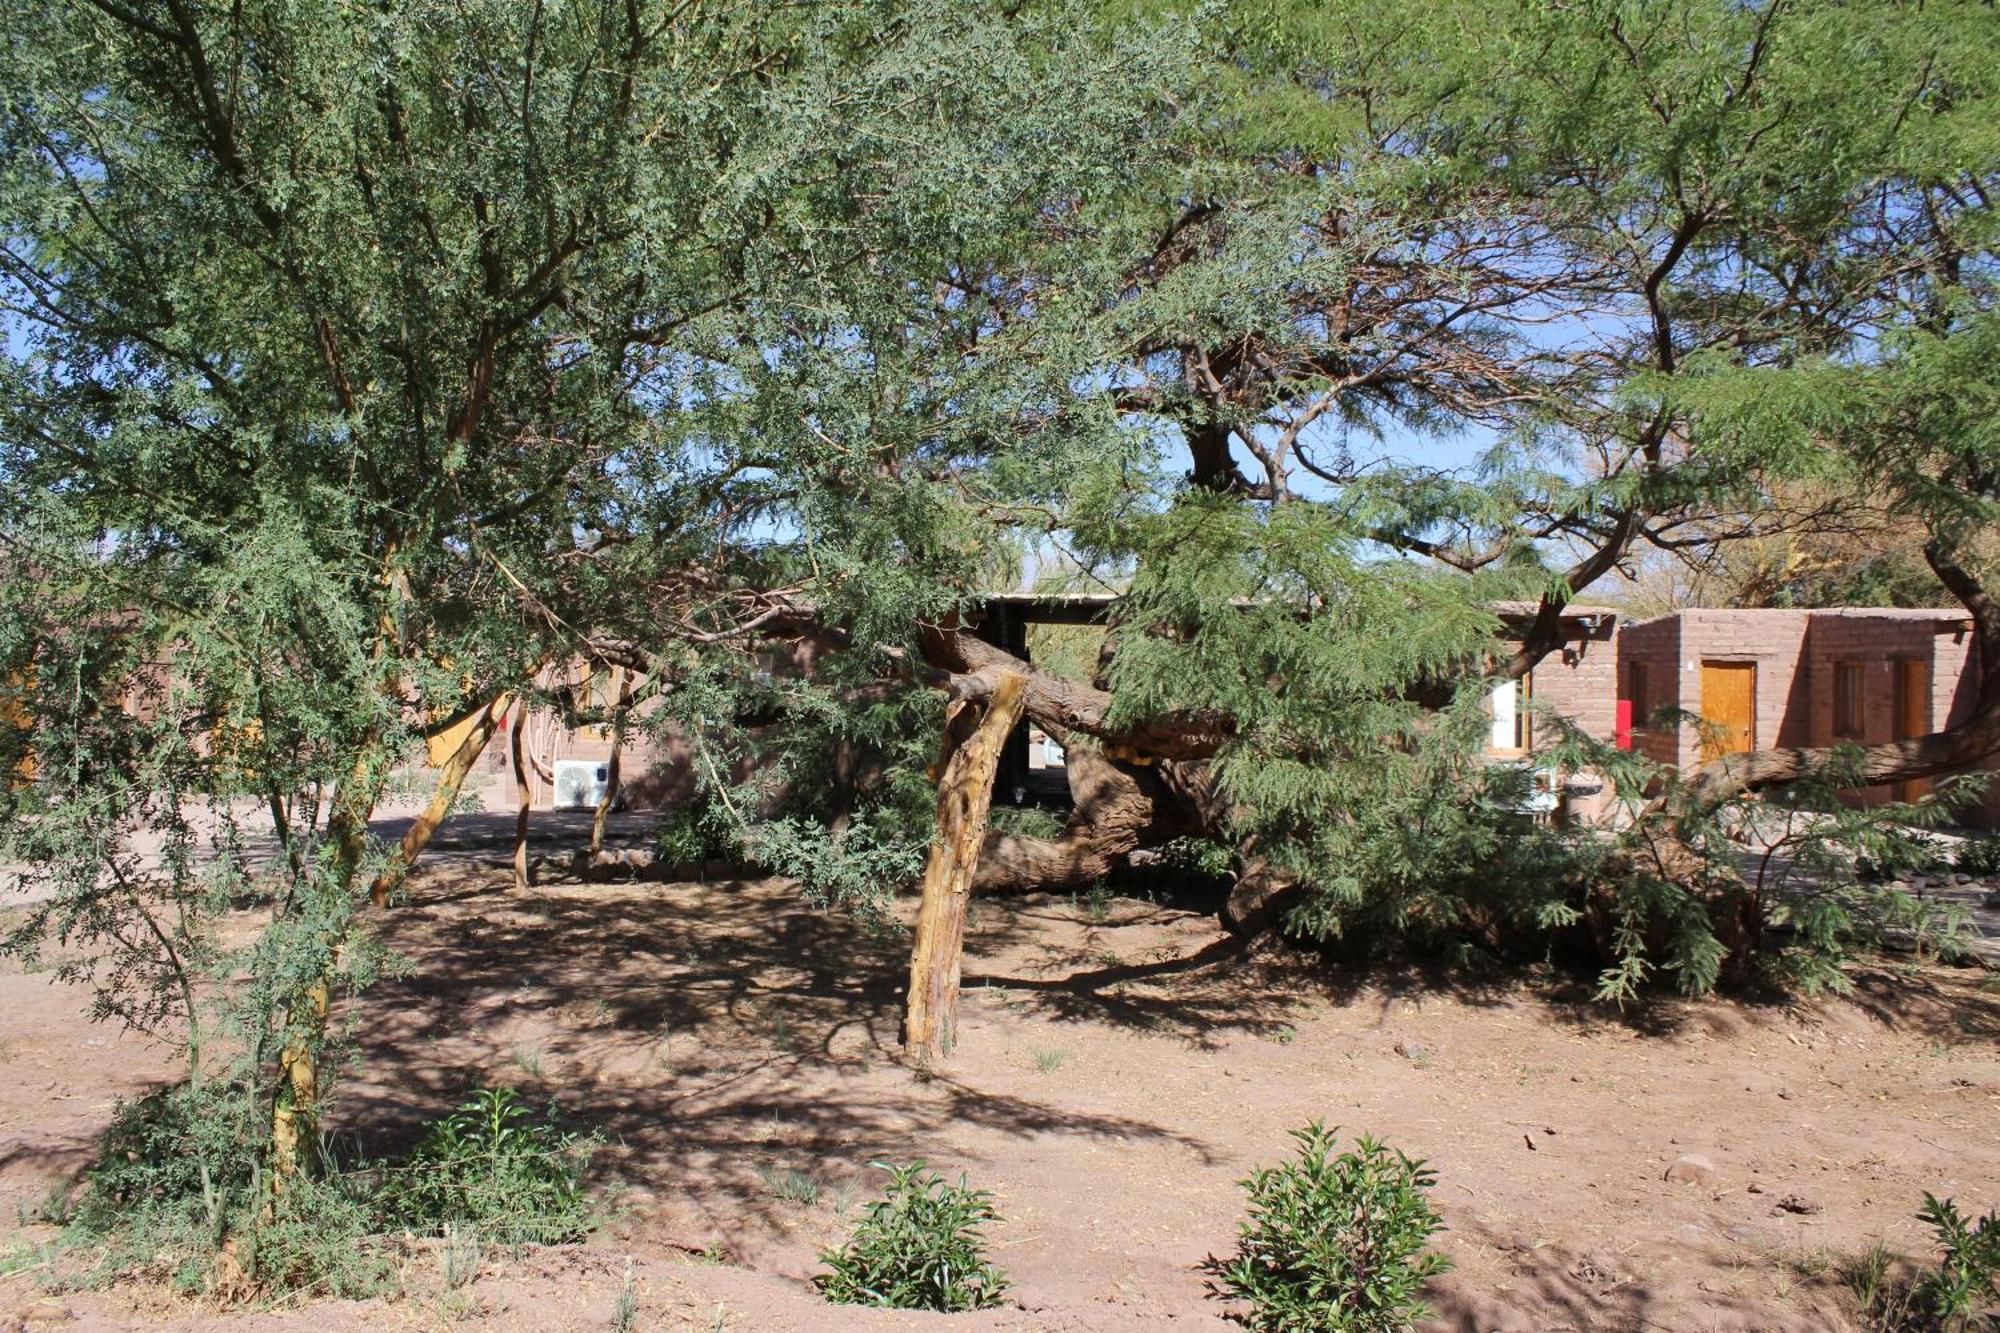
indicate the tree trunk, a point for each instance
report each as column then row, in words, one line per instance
column 603, row 814
column 524, row 797
column 965, row 795
column 295, row 1105
column 295, row 1112
column 1118, row 808
column 451, row 780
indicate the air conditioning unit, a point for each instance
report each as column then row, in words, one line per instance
column 580, row 783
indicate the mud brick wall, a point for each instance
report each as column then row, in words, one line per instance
column 1876, row 641
column 1655, row 645
column 1581, row 683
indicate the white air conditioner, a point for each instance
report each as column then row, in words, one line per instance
column 580, row 783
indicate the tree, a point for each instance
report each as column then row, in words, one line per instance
column 1554, row 234
column 363, row 363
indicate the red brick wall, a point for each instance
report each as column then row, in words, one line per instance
column 1774, row 641
column 1876, row 642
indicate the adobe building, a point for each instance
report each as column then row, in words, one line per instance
column 1579, row 681
column 1758, row 679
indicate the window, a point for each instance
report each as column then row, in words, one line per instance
column 1513, row 727
column 1848, row 718
column 1638, row 693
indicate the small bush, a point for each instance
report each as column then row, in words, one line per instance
column 1024, row 821
column 179, row 1193
column 790, row 1185
column 494, row 1170
column 921, row 1247
column 175, row 1171
column 177, row 1177
column 1943, row 1299
column 1335, row 1242
column 1979, row 856
column 1967, row 1278
column 321, row 1237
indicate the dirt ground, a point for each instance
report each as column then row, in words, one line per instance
column 1118, row 1072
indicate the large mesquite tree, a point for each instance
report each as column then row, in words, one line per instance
column 1579, row 246
column 361, row 361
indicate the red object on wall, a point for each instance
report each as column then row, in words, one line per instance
column 1622, row 728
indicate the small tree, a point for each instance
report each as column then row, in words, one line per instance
column 1335, row 1242
column 362, row 363
column 920, row 1247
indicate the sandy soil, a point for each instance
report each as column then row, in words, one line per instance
column 1115, row 1078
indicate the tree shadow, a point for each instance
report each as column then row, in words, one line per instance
column 711, row 1034
column 1574, row 1289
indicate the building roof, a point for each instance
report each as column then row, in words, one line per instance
column 1940, row 619
column 1084, row 607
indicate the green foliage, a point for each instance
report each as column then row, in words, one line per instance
column 178, row 1186
column 174, row 1170
column 1202, row 858
column 494, row 1170
column 1335, row 1242
column 1898, row 851
column 1024, row 821
column 1979, row 856
column 920, row 1247
column 834, row 796
column 1947, row 1297
column 362, row 365
column 176, row 1178
column 1966, row 1280
column 322, row 1237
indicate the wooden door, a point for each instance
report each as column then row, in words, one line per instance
column 1913, row 717
column 1729, row 707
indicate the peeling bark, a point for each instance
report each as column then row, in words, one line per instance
column 524, row 798
column 965, row 795
column 451, row 780
column 1119, row 808
column 969, row 668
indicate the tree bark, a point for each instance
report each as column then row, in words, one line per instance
column 524, row 796
column 295, row 1105
column 969, row 668
column 451, row 780
column 965, row 795
column 1118, row 809
column 603, row 814
column 295, row 1112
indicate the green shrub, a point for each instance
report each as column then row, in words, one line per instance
column 1906, row 854
column 921, row 1247
column 1967, row 1278
column 174, row 1172
column 177, row 1176
column 1947, row 1298
column 321, row 1237
column 494, row 1170
column 1979, row 856
column 1335, row 1242
column 1024, row 821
